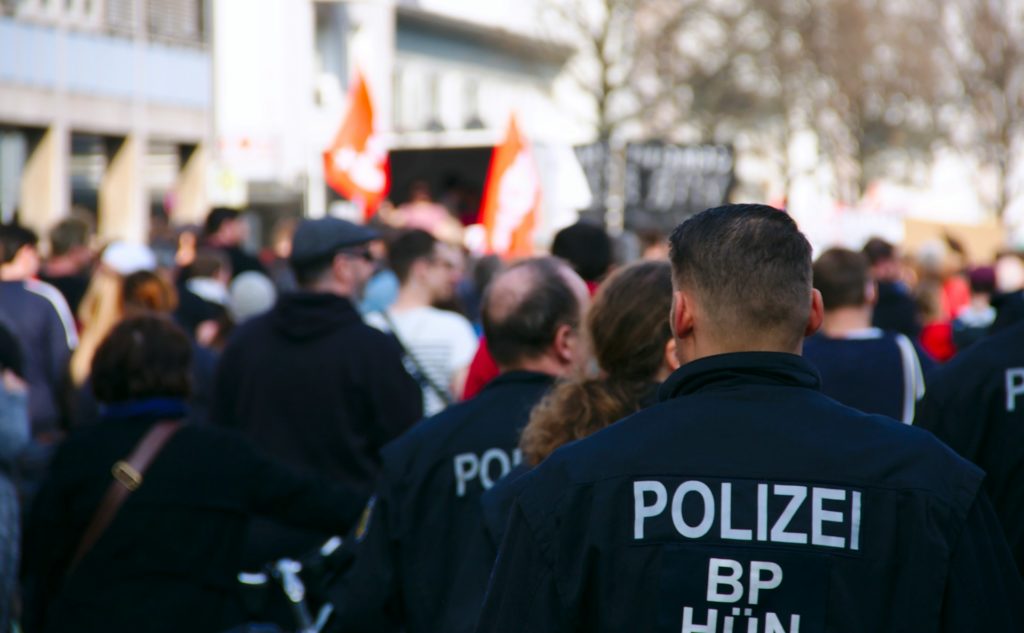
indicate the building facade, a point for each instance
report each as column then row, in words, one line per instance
column 444, row 76
column 126, row 108
column 105, row 108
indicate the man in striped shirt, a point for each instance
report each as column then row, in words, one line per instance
column 438, row 344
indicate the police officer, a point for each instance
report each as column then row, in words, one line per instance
column 976, row 406
column 746, row 501
column 422, row 558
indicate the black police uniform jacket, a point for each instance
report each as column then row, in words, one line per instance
column 976, row 406
column 749, row 502
column 423, row 556
column 497, row 502
column 319, row 389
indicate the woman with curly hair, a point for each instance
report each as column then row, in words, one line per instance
column 628, row 326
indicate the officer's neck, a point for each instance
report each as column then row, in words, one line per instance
column 694, row 348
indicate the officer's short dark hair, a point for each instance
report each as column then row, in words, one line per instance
column 143, row 357
column 68, row 234
column 878, row 250
column 14, row 237
column 751, row 268
column 842, row 276
column 587, row 247
column 407, row 249
column 526, row 327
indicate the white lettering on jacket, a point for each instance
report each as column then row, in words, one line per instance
column 487, row 468
column 834, row 513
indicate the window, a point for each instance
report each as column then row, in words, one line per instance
column 471, row 106
column 176, row 20
column 434, row 103
column 397, row 100
column 30, row 8
column 121, row 16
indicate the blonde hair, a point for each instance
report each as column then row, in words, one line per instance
column 108, row 300
column 98, row 313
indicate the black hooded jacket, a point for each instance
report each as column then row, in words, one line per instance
column 317, row 388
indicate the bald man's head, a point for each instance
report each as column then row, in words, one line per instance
column 527, row 304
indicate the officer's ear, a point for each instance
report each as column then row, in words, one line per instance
column 817, row 315
column 681, row 319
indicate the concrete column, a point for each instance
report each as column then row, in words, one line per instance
column 123, row 212
column 190, row 204
column 45, row 181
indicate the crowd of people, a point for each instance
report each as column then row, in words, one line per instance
column 176, row 412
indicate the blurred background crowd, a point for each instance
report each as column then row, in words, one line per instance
column 161, row 157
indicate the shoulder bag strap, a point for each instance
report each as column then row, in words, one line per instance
column 127, row 479
column 419, row 374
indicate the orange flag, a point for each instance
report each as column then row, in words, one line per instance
column 512, row 197
column 356, row 165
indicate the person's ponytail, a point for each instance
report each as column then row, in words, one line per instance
column 628, row 329
column 576, row 409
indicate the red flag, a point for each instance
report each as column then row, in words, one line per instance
column 356, row 165
column 512, row 198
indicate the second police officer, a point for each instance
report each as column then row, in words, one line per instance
column 422, row 556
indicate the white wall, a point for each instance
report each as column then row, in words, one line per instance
column 276, row 112
column 264, row 87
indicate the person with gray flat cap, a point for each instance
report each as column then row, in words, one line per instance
column 310, row 383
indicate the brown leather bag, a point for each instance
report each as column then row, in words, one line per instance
column 127, row 475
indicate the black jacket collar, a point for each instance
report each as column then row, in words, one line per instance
column 742, row 368
column 518, row 376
